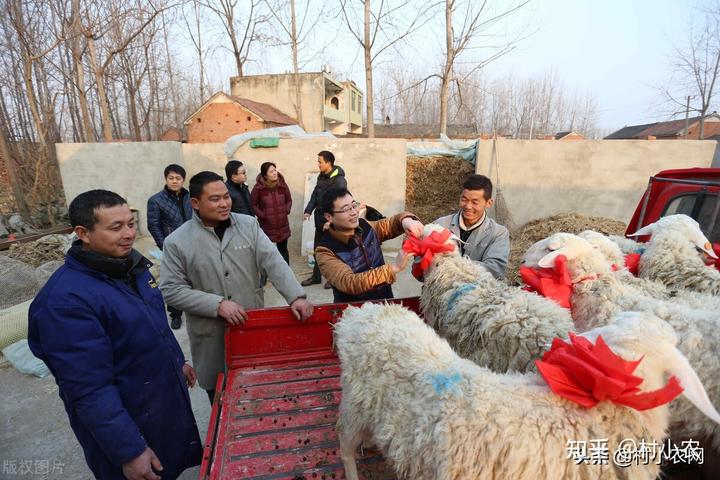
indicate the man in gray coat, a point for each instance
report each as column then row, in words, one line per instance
column 211, row 271
column 485, row 241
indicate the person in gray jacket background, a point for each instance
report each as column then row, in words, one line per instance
column 485, row 241
column 211, row 271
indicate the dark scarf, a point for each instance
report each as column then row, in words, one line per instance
column 125, row 269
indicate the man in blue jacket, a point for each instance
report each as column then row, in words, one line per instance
column 99, row 324
column 166, row 211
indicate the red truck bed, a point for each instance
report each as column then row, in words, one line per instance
column 275, row 412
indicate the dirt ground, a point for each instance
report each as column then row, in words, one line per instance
column 35, row 436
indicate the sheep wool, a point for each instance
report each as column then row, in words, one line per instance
column 437, row 416
column 672, row 257
column 598, row 296
column 614, row 255
column 484, row 319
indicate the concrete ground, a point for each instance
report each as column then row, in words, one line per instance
column 35, row 437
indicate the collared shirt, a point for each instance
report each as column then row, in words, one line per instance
column 487, row 243
column 465, row 231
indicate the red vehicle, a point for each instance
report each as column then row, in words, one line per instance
column 692, row 191
column 275, row 411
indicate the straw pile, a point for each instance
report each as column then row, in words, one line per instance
column 434, row 185
column 531, row 232
column 42, row 250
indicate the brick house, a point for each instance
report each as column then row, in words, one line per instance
column 173, row 134
column 328, row 105
column 672, row 130
column 223, row 116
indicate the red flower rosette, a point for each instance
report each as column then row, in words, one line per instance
column 553, row 283
column 424, row 250
column 632, row 262
column 587, row 374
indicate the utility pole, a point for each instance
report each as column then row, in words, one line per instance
column 687, row 112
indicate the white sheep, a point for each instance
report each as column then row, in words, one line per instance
column 598, row 296
column 612, row 252
column 484, row 319
column 437, row 416
column 627, row 245
column 675, row 255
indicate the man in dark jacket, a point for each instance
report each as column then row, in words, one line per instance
column 331, row 176
column 99, row 325
column 349, row 253
column 166, row 211
column 236, row 178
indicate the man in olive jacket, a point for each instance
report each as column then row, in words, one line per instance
column 211, row 271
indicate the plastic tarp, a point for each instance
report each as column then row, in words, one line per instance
column 22, row 358
column 291, row 131
column 467, row 150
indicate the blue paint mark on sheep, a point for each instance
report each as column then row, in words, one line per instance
column 640, row 250
column 445, row 382
column 459, row 292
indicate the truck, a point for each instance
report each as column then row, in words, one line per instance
column 691, row 191
column 275, row 409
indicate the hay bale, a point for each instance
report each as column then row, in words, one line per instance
column 434, row 185
column 42, row 250
column 522, row 238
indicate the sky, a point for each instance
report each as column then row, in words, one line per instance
column 619, row 51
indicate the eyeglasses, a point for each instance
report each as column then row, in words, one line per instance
column 348, row 208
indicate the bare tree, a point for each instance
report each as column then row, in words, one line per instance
column 284, row 14
column 135, row 20
column 695, row 66
column 477, row 21
column 382, row 28
column 242, row 32
column 196, row 37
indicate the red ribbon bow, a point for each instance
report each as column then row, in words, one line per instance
column 553, row 283
column 588, row 374
column 632, row 263
column 716, row 249
column 426, row 249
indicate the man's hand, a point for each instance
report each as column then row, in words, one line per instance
column 306, row 216
column 233, row 313
column 141, row 467
column 401, row 261
column 190, row 377
column 412, row 227
column 302, row 309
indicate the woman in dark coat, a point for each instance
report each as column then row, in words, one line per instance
column 271, row 202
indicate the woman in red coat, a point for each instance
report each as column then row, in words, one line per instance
column 271, row 202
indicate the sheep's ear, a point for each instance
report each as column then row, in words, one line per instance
column 692, row 386
column 548, row 261
column 646, row 230
column 706, row 247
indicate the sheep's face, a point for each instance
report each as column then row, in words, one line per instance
column 609, row 249
column 582, row 258
column 437, row 257
column 683, row 228
column 642, row 335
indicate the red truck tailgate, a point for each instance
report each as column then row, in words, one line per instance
column 275, row 415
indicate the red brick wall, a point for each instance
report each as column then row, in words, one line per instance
column 219, row 121
column 170, row 135
column 710, row 129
